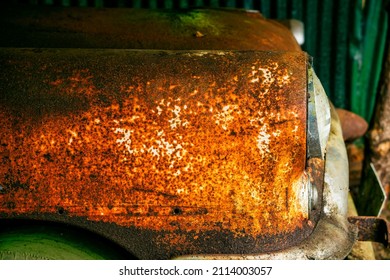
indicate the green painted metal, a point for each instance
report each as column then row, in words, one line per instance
column 34, row 241
column 265, row 8
column 366, row 55
column 339, row 69
column 27, row 246
column 281, row 9
column 296, row 9
column 324, row 46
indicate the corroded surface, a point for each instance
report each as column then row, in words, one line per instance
column 199, row 145
column 372, row 229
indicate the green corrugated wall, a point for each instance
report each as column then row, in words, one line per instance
column 345, row 37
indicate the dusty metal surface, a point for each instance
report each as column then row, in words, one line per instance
column 203, row 152
column 336, row 179
column 142, row 29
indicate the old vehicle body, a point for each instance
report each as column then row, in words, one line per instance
column 192, row 151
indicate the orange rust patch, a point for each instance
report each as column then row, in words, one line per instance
column 189, row 141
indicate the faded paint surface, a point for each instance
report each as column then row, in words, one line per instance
column 162, row 141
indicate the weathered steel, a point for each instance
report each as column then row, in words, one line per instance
column 333, row 236
column 372, row 229
column 142, row 29
column 361, row 250
column 191, row 152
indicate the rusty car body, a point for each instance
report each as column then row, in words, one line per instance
column 181, row 149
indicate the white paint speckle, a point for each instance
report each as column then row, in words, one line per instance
column 73, row 134
column 176, row 121
column 225, row 117
column 276, row 133
column 255, row 195
column 125, row 139
column 268, row 76
column 263, row 140
column 154, row 152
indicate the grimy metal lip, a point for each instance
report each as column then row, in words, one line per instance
column 124, row 28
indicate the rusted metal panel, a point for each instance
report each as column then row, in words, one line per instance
column 203, row 152
column 333, row 236
column 142, row 29
column 372, row 229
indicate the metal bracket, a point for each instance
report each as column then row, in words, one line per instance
column 372, row 229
